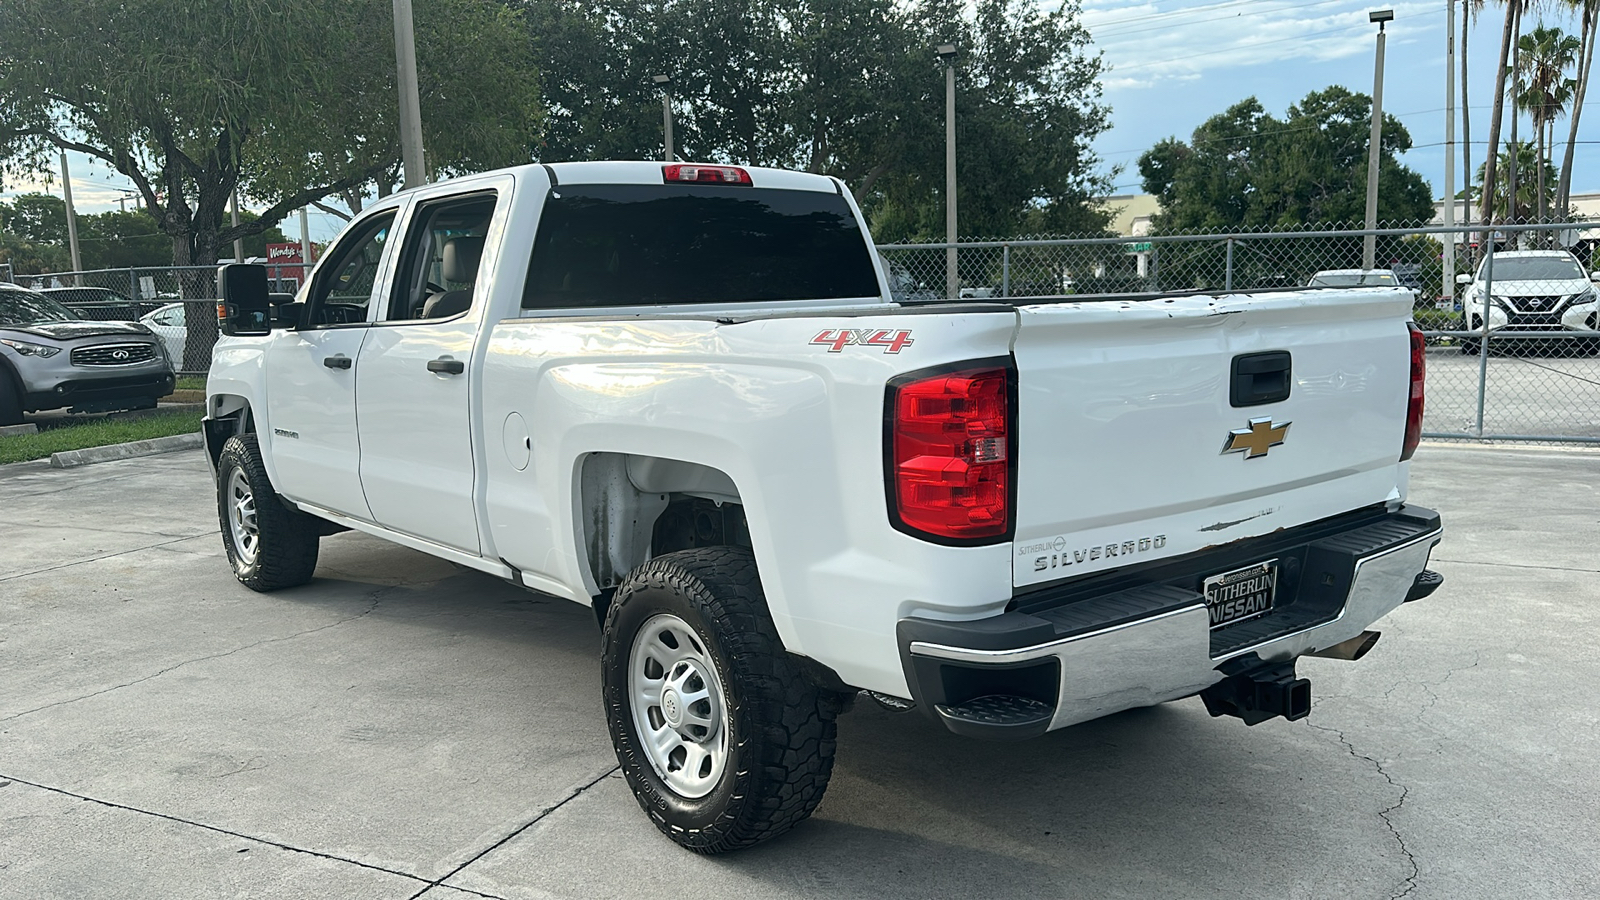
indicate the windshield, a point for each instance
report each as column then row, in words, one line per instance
column 644, row 244
column 1535, row 268
column 22, row 308
column 1353, row 279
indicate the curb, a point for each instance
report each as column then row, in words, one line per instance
column 69, row 459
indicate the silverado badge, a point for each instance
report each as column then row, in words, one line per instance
column 1261, row 436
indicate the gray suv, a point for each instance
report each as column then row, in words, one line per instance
column 51, row 359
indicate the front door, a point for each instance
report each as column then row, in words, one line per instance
column 311, row 376
column 415, row 373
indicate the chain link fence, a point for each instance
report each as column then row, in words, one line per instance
column 178, row 303
column 1509, row 315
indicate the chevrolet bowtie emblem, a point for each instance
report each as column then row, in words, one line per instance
column 1261, row 436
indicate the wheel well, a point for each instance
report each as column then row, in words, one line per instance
column 633, row 508
column 228, row 416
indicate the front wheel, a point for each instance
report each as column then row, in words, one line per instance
column 722, row 738
column 10, row 401
column 269, row 545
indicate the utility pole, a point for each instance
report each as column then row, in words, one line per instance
column 952, row 289
column 1369, row 244
column 72, row 217
column 305, row 248
column 405, row 55
column 1448, row 270
column 238, row 242
column 665, row 83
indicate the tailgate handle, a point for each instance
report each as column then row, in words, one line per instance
column 1260, row 378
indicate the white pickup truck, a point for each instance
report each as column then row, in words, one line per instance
column 684, row 396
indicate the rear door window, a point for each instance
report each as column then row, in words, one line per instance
column 649, row 244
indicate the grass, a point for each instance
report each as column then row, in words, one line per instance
column 191, row 383
column 98, row 433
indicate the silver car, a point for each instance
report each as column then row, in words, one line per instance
column 50, row 359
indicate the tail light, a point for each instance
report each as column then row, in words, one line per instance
column 951, row 445
column 705, row 174
column 1419, row 367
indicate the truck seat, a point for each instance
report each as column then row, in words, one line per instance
column 458, row 265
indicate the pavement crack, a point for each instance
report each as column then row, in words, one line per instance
column 90, row 559
column 1409, row 884
column 503, row 841
column 1485, row 562
column 213, row 828
column 375, row 598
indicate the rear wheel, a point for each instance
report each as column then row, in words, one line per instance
column 722, row 738
column 270, row 546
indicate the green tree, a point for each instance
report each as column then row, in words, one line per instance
column 289, row 100
column 850, row 88
column 1247, row 169
column 1544, row 91
column 1529, row 178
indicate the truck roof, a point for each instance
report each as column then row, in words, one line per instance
column 649, row 172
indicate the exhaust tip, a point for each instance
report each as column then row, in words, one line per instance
column 1352, row 650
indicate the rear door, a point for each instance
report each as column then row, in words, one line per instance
column 417, row 369
column 1134, row 442
column 311, row 374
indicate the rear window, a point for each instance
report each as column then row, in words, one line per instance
column 649, row 244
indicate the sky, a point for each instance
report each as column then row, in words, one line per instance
column 1171, row 64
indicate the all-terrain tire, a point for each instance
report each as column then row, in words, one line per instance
column 781, row 727
column 285, row 540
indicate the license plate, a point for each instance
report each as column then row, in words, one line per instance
column 1241, row 594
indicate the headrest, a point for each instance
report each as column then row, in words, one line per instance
column 460, row 262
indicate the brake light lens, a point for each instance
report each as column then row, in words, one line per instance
column 698, row 174
column 1419, row 368
column 950, row 455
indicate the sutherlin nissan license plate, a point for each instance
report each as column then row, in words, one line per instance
column 1241, row 594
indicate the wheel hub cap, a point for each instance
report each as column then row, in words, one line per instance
column 241, row 500
column 677, row 704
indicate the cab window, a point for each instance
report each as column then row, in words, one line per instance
column 342, row 291
column 439, row 266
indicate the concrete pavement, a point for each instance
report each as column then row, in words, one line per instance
column 403, row 728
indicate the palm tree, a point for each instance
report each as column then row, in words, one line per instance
column 1491, row 164
column 1528, row 168
column 1543, row 89
column 1586, row 42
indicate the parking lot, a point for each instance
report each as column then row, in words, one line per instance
column 1528, row 392
column 404, row 728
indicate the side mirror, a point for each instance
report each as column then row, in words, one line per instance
column 1464, row 278
column 243, row 307
column 1594, row 276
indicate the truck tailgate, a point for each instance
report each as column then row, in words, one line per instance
column 1126, row 411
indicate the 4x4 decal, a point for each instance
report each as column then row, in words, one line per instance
column 836, row 339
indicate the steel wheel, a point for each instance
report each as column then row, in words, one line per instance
column 242, row 518
column 678, row 705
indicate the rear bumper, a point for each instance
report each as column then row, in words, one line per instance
column 1078, row 651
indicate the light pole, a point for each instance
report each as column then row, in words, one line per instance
column 72, row 217
column 1448, row 270
column 405, row 56
column 947, row 52
column 665, row 83
column 1369, row 244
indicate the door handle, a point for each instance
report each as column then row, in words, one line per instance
column 444, row 366
column 337, row 362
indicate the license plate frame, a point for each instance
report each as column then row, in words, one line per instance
column 1237, row 595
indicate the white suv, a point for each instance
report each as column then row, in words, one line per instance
column 1530, row 291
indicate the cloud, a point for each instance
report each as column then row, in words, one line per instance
column 1146, row 44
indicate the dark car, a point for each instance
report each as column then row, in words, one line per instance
column 50, row 358
column 98, row 304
